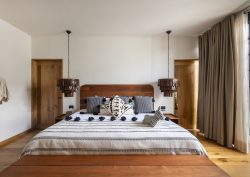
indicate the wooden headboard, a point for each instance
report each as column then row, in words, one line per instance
column 111, row 90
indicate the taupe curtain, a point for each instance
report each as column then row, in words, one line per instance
column 217, row 83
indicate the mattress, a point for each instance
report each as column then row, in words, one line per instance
column 113, row 137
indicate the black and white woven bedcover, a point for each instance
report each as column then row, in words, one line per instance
column 113, row 137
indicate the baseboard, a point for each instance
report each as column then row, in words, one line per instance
column 13, row 138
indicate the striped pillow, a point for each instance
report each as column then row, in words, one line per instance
column 151, row 120
column 147, row 119
column 93, row 104
column 159, row 114
column 154, row 121
column 143, row 104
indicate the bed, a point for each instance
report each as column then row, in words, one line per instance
column 113, row 137
column 113, row 148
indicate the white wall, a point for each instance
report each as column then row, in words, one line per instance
column 15, row 68
column 116, row 60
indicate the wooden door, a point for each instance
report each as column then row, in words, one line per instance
column 187, row 96
column 46, row 97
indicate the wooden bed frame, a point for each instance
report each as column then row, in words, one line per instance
column 113, row 165
column 111, row 90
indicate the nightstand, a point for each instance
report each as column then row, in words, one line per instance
column 172, row 117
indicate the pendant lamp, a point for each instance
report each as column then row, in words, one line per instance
column 67, row 85
column 168, row 85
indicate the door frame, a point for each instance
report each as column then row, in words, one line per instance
column 34, row 89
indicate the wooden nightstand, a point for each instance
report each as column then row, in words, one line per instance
column 172, row 117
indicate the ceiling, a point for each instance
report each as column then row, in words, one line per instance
column 116, row 17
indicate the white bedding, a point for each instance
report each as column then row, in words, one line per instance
column 113, row 137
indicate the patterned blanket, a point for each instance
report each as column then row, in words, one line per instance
column 113, row 137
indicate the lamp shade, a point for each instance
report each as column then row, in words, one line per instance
column 68, row 86
column 168, row 86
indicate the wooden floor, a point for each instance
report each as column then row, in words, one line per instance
column 234, row 163
column 11, row 152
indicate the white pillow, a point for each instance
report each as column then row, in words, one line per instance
column 117, row 107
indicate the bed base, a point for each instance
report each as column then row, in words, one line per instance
column 114, row 166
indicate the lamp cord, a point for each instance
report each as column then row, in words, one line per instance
column 168, row 55
column 68, row 56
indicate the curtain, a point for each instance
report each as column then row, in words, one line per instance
column 217, row 82
column 242, row 109
column 223, row 101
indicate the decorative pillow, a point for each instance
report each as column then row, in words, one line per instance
column 128, row 100
column 93, row 104
column 104, row 111
column 105, row 100
column 143, row 104
column 154, row 121
column 130, row 111
column 147, row 119
column 159, row 114
column 151, row 120
column 117, row 107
